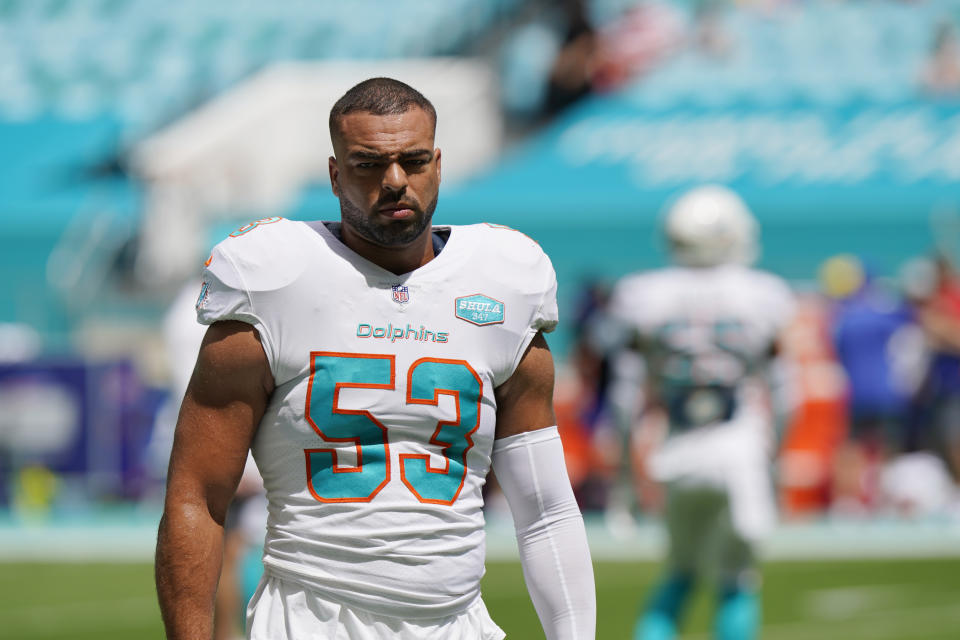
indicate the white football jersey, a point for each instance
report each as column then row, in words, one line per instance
column 703, row 328
column 376, row 442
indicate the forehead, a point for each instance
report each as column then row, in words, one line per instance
column 363, row 130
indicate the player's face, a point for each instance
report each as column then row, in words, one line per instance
column 386, row 174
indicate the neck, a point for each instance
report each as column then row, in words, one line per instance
column 398, row 260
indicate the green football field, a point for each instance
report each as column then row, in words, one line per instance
column 802, row 600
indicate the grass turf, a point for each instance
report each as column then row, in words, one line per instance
column 882, row 599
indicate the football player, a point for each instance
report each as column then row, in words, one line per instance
column 707, row 328
column 379, row 367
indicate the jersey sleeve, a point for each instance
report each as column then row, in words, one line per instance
column 780, row 303
column 547, row 314
column 617, row 307
column 543, row 310
column 521, row 265
column 224, row 295
column 630, row 306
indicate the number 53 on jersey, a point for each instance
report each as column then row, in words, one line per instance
column 427, row 380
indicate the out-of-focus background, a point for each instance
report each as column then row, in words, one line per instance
column 134, row 135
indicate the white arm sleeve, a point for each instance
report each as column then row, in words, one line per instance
column 550, row 533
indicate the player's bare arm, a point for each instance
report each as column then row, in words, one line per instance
column 525, row 400
column 224, row 403
column 529, row 464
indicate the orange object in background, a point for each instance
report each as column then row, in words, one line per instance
column 819, row 421
column 577, row 449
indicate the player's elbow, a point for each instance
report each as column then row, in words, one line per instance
column 192, row 511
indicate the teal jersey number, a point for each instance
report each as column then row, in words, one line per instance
column 427, row 380
column 712, row 352
column 327, row 480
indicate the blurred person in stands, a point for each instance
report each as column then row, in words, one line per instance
column 589, row 59
column 571, row 73
column 636, row 43
column 941, row 72
column 605, row 393
column 379, row 367
column 708, row 328
column 934, row 289
column 875, row 340
column 589, row 358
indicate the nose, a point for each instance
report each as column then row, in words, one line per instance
column 394, row 178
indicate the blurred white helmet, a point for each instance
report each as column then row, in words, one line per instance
column 711, row 225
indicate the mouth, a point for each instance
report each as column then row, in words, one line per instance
column 399, row 211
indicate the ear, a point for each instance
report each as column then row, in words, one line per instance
column 334, row 173
column 436, row 158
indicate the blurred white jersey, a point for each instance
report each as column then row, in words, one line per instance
column 703, row 328
column 707, row 335
column 376, row 443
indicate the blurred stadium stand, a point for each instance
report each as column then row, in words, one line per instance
column 818, row 113
column 80, row 58
column 84, row 81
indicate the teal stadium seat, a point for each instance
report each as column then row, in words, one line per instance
column 66, row 66
column 820, row 52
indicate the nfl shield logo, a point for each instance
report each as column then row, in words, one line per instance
column 401, row 294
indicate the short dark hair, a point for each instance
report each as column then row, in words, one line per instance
column 381, row 97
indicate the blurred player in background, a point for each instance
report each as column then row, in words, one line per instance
column 708, row 329
column 379, row 367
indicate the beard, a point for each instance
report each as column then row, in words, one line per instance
column 395, row 233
